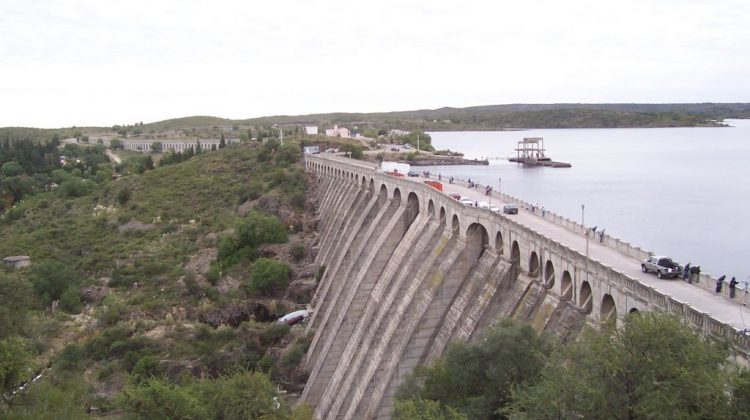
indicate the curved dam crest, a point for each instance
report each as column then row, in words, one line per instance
column 409, row 269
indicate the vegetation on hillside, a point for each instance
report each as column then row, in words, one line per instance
column 127, row 307
column 653, row 367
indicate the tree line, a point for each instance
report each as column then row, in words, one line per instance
column 652, row 367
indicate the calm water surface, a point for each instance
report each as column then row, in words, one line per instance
column 682, row 192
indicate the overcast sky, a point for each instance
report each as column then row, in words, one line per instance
column 79, row 62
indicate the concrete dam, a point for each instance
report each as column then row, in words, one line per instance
column 408, row 269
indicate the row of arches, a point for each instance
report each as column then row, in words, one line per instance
column 477, row 236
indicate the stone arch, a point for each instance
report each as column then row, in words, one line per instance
column 431, row 208
column 515, row 252
column 442, row 216
column 456, row 225
column 608, row 312
column 566, row 286
column 533, row 264
column 371, row 187
column 633, row 311
column 382, row 195
column 412, row 209
column 364, row 182
column 477, row 240
column 499, row 243
column 549, row 274
column 585, row 301
column 396, row 196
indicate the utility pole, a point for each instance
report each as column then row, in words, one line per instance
column 417, row 142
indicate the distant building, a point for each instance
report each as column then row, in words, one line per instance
column 398, row 133
column 338, row 132
column 174, row 145
column 311, row 130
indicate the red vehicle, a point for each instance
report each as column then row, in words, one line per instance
column 455, row 196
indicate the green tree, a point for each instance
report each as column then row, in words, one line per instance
column 259, row 228
column 222, row 142
column 115, row 144
column 419, row 409
column 354, row 151
column 14, row 303
column 51, row 279
column 268, row 277
column 156, row 147
column 653, row 367
column 11, row 168
column 477, row 379
column 15, row 360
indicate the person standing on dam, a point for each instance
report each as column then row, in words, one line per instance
column 720, row 282
column 732, row 287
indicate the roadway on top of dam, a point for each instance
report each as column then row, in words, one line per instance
column 722, row 309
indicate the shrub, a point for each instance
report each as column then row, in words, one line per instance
column 297, row 252
column 259, row 228
column 268, row 276
column 213, row 275
column 14, row 362
column 70, row 300
column 249, row 191
column 70, row 358
column 274, row 333
column 123, row 195
column 147, row 367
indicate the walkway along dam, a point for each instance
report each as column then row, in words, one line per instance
column 408, row 269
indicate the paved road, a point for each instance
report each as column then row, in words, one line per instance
column 719, row 307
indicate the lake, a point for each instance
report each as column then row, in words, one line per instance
column 681, row 192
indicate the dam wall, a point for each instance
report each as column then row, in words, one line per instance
column 408, row 269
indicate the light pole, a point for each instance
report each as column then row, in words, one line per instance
column 500, row 187
column 586, row 233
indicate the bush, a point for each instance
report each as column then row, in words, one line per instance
column 297, row 252
column 248, row 192
column 147, row 367
column 70, row 301
column 14, row 362
column 243, row 395
column 274, row 333
column 123, row 195
column 268, row 276
column 71, row 358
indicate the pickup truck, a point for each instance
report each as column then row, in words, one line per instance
column 663, row 266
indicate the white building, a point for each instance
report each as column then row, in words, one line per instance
column 311, row 130
column 398, row 133
column 338, row 132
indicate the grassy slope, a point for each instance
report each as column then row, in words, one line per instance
column 187, row 204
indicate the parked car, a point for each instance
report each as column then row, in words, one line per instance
column 394, row 149
column 663, row 266
column 466, row 201
column 495, row 209
column 483, row 205
column 455, row 196
column 413, row 173
column 510, row 209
